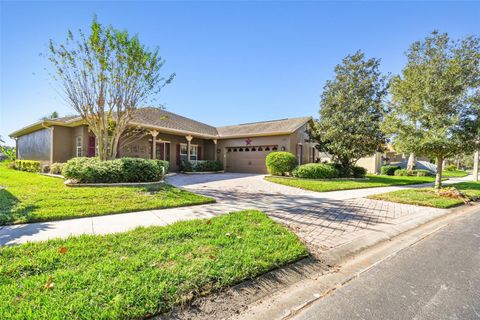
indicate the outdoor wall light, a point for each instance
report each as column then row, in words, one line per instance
column 283, row 148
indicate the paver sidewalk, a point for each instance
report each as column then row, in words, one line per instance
column 323, row 219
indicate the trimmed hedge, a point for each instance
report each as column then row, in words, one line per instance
column 163, row 164
column 28, row 165
column 280, row 163
column 389, row 170
column 413, row 173
column 201, row 166
column 56, row 168
column 315, row 171
column 92, row 170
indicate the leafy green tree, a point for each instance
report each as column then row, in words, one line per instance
column 433, row 108
column 53, row 115
column 105, row 77
column 351, row 111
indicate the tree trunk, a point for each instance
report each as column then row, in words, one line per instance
column 475, row 165
column 438, row 176
column 412, row 161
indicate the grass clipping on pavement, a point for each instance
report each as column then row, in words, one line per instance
column 143, row 272
column 456, row 194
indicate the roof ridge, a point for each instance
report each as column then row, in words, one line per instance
column 266, row 121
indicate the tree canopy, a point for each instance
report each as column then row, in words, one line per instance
column 351, row 111
column 434, row 108
column 105, row 77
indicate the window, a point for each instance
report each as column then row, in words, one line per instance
column 78, row 146
column 193, row 153
column 184, row 152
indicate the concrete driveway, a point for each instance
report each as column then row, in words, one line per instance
column 322, row 219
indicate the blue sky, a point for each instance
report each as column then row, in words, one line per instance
column 235, row 62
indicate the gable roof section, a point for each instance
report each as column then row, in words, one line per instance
column 160, row 119
column 275, row 127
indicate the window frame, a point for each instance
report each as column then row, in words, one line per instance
column 193, row 152
column 78, row 146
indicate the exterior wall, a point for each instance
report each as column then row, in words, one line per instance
column 372, row 163
column 62, row 144
column 143, row 148
column 82, row 132
column 35, row 146
column 300, row 138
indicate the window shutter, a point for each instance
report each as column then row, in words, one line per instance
column 178, row 154
column 199, row 156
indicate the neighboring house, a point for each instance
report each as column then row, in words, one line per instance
column 242, row 148
column 391, row 157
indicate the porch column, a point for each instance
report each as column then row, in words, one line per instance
column 189, row 140
column 154, row 134
column 475, row 165
column 215, row 149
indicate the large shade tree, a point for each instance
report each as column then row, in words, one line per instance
column 433, row 108
column 351, row 111
column 105, row 76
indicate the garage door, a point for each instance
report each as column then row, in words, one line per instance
column 249, row 159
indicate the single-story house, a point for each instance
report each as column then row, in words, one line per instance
column 169, row 136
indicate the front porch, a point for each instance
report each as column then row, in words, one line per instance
column 172, row 148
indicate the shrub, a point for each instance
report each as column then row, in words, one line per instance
column 389, row 170
column 315, row 171
column 56, row 168
column 201, row 166
column 92, row 170
column 279, row 163
column 28, row 165
column 186, row 166
column 359, row 172
column 206, row 166
column 423, row 173
column 413, row 173
column 451, row 167
column 163, row 164
column 404, row 172
column 342, row 171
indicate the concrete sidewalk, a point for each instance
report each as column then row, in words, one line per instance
column 322, row 219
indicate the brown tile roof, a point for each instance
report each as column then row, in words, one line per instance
column 160, row 118
column 283, row 126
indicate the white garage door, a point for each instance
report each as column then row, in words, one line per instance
column 250, row 159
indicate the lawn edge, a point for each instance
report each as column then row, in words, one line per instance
column 367, row 187
column 210, row 201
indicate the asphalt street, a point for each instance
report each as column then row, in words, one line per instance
column 438, row 278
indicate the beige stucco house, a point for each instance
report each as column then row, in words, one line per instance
column 241, row 148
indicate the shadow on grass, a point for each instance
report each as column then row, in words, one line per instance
column 10, row 210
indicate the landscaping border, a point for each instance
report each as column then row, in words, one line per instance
column 68, row 183
column 203, row 172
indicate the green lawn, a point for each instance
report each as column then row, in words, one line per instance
column 454, row 174
column 143, row 272
column 428, row 197
column 336, row 184
column 29, row 197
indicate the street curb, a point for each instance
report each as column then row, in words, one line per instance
column 291, row 300
column 285, row 303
